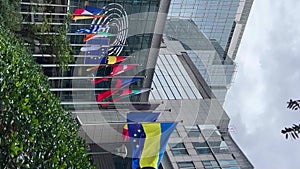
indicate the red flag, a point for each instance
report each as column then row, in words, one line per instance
column 98, row 80
column 118, row 69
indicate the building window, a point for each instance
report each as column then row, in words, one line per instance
column 210, row 164
column 201, row 147
column 186, row 165
column 219, row 146
column 209, row 131
column 192, row 131
column 226, row 164
column 229, row 164
column 178, row 149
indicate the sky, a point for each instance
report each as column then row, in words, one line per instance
column 267, row 76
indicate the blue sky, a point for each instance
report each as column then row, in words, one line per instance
column 268, row 75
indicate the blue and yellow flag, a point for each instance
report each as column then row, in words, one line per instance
column 137, row 116
column 148, row 143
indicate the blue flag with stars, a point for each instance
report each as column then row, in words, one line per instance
column 97, row 49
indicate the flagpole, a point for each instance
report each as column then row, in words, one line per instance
column 89, row 89
column 78, row 65
column 123, row 123
column 119, row 110
column 116, row 103
column 92, row 77
column 83, row 56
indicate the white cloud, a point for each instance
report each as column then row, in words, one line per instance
column 268, row 75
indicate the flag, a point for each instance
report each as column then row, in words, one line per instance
column 109, row 60
column 80, row 17
column 88, row 13
column 148, row 143
column 138, row 117
column 98, row 80
column 94, row 10
column 96, row 44
column 104, row 95
column 88, row 10
column 142, row 116
column 125, row 93
column 116, row 70
column 120, row 83
column 97, row 35
column 132, row 92
column 92, row 29
column 123, row 82
column 96, row 47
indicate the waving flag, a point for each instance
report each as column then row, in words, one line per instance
column 80, row 17
column 88, row 10
column 109, row 60
column 125, row 93
column 97, row 35
column 96, row 47
column 96, row 44
column 92, row 29
column 120, row 83
column 138, row 117
column 128, row 93
column 124, row 82
column 94, row 10
column 104, row 95
column 116, row 70
column 88, row 13
column 148, row 143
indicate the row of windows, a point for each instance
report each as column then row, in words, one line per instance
column 171, row 80
column 210, row 10
column 218, row 147
column 210, row 164
column 225, row 164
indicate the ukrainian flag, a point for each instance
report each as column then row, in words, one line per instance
column 148, row 143
column 138, row 117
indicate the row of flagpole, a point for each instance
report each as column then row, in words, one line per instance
column 97, row 39
column 148, row 138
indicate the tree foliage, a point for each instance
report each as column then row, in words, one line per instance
column 293, row 131
column 35, row 131
column 52, row 39
column 9, row 14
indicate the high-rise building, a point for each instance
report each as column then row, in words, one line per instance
column 202, row 139
column 223, row 23
column 177, row 71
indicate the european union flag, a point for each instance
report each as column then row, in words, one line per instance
column 148, row 143
column 96, row 47
column 142, row 117
column 138, row 117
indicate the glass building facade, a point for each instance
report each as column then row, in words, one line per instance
column 214, row 18
column 202, row 139
column 219, row 20
column 215, row 70
column 223, row 23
